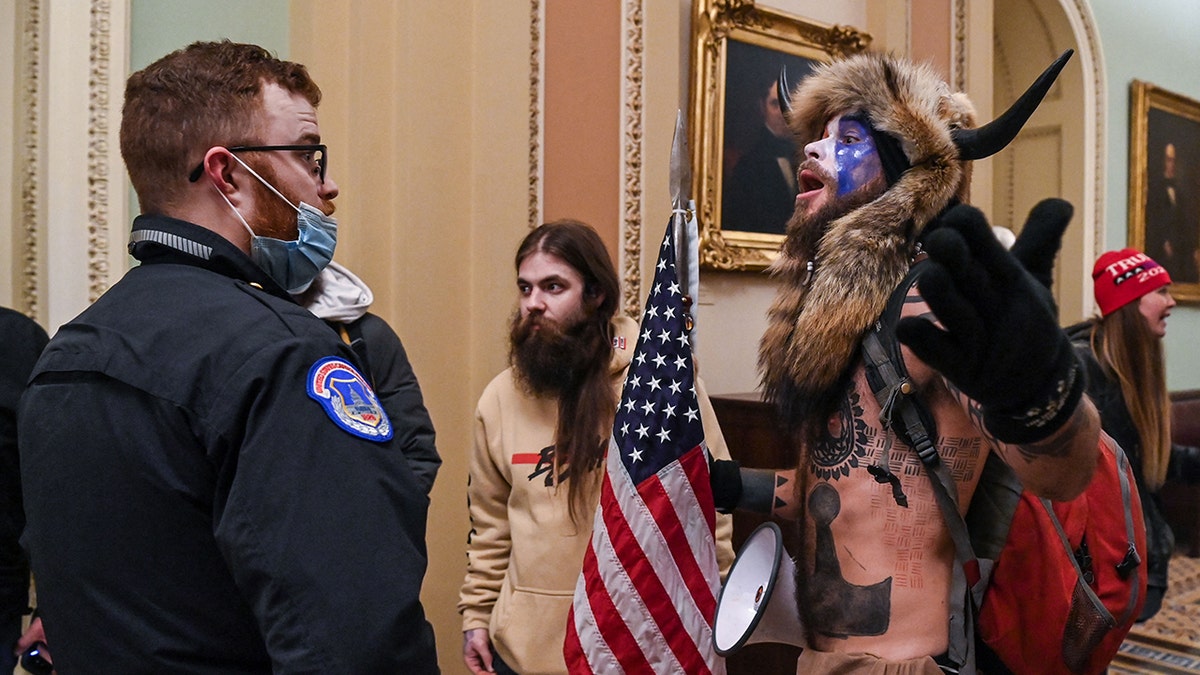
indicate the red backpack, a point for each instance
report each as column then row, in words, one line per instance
column 1079, row 559
column 1045, row 587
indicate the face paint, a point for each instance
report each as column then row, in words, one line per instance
column 855, row 161
column 847, row 154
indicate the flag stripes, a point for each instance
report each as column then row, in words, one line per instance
column 646, row 596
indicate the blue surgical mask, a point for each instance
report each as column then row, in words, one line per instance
column 292, row 264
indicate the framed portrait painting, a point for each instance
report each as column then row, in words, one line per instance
column 743, row 156
column 1164, row 183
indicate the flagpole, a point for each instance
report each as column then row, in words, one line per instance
column 683, row 211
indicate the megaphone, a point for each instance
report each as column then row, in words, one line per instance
column 758, row 601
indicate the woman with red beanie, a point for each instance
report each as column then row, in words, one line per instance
column 1122, row 349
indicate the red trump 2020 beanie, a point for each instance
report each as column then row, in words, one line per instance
column 1123, row 276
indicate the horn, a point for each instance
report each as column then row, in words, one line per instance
column 785, row 94
column 991, row 138
column 758, row 601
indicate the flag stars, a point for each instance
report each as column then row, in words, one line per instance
column 682, row 339
column 690, row 414
column 648, row 408
column 635, row 455
column 670, row 313
column 680, row 362
column 662, row 264
column 642, row 431
column 654, row 384
column 652, row 311
column 625, row 429
column 669, row 411
column 673, row 288
column 640, row 358
column 660, row 360
column 629, row 405
column 635, row 382
column 646, row 335
column 664, row 435
column 675, row 387
column 664, row 336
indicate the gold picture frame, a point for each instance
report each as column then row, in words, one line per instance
column 737, row 50
column 1164, row 203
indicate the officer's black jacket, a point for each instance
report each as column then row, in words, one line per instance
column 191, row 509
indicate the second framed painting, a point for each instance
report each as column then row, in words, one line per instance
column 1164, row 183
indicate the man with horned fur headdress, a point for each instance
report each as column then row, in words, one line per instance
column 886, row 150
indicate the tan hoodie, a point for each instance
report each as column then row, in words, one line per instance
column 524, row 554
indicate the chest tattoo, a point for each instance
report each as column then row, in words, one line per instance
column 837, row 607
column 843, row 446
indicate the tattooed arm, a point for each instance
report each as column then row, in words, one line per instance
column 1058, row 467
column 765, row 491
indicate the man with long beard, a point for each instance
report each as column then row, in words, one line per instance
column 887, row 150
column 541, row 430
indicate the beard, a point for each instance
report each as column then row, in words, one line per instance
column 551, row 358
column 820, row 310
column 805, row 230
column 274, row 217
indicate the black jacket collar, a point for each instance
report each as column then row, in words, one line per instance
column 162, row 239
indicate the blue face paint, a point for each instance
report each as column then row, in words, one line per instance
column 855, row 160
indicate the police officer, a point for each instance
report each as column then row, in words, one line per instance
column 211, row 484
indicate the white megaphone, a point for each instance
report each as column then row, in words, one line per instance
column 758, row 601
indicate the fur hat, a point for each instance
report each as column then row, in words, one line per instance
column 829, row 296
column 1123, row 276
column 816, row 324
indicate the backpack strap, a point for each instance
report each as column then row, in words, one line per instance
column 903, row 413
column 352, row 334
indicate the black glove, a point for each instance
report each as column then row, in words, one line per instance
column 1038, row 244
column 726, row 479
column 1002, row 345
column 737, row 488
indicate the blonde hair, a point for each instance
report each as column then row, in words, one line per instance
column 1130, row 353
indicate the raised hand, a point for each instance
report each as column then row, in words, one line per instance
column 999, row 341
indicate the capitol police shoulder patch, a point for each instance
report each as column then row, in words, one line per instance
column 348, row 399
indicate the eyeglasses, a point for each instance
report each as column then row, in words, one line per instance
column 316, row 156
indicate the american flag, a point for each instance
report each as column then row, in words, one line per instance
column 646, row 596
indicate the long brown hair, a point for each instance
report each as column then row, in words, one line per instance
column 1130, row 353
column 587, row 407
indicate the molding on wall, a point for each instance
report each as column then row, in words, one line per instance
column 29, row 165
column 959, row 57
column 98, row 151
column 1081, row 18
column 537, row 114
column 632, row 125
column 67, row 168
